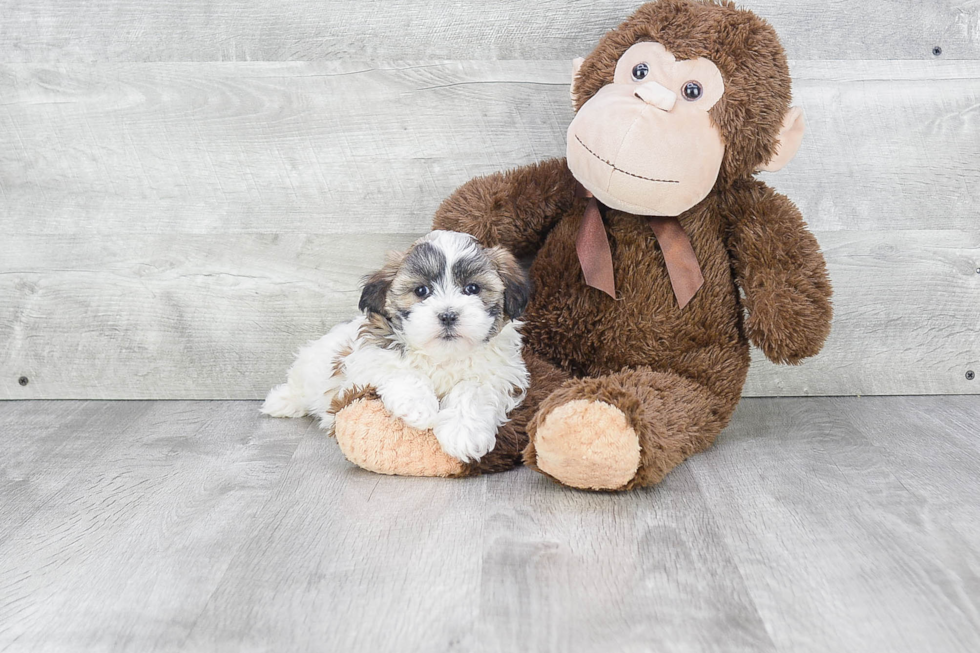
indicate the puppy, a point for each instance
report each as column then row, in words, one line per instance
column 438, row 341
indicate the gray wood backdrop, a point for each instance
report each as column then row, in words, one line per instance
column 190, row 189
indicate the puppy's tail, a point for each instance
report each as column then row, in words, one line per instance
column 284, row 401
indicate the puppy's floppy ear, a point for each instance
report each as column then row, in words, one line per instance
column 377, row 285
column 374, row 292
column 517, row 285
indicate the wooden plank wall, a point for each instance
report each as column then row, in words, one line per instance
column 190, row 189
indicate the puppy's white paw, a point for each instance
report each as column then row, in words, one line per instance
column 283, row 402
column 464, row 438
column 418, row 410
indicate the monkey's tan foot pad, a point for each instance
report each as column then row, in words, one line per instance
column 588, row 445
column 372, row 439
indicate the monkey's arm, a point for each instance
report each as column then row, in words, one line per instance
column 515, row 208
column 780, row 269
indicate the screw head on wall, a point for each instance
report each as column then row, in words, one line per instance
column 970, row 375
column 23, row 380
column 936, row 51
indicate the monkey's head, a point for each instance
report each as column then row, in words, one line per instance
column 684, row 96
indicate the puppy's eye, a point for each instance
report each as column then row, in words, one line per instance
column 422, row 292
column 471, row 289
column 640, row 71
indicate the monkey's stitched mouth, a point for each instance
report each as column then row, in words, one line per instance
column 625, row 172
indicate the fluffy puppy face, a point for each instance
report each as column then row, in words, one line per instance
column 446, row 294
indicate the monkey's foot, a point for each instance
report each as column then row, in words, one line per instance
column 372, row 439
column 585, row 444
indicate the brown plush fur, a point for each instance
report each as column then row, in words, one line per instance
column 676, row 375
column 743, row 46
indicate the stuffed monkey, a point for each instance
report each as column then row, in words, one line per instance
column 657, row 257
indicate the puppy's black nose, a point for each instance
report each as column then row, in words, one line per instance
column 448, row 318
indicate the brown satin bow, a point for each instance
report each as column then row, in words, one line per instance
column 595, row 257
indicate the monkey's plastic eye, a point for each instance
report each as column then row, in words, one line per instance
column 640, row 71
column 422, row 292
column 471, row 289
column 692, row 91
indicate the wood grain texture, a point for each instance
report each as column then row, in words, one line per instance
column 841, row 519
column 659, row 581
column 177, row 230
column 193, row 316
column 137, row 520
column 45, row 450
column 233, row 30
column 906, row 318
column 188, row 316
column 815, row 524
column 225, row 148
column 372, row 148
column 349, row 560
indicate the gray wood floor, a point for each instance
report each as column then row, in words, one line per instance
column 817, row 524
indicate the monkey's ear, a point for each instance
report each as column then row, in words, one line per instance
column 517, row 285
column 790, row 137
column 576, row 64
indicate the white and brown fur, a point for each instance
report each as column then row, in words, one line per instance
column 446, row 358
